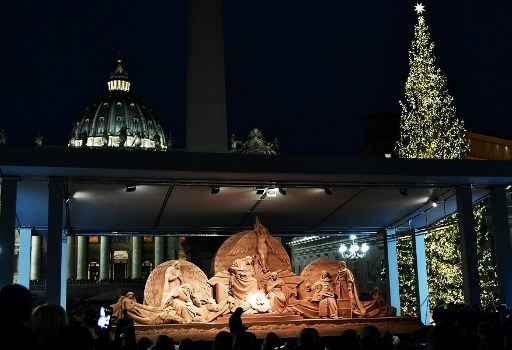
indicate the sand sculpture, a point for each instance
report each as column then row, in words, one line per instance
column 252, row 271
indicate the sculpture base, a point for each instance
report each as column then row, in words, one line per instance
column 285, row 326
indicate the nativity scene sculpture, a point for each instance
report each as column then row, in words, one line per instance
column 252, row 271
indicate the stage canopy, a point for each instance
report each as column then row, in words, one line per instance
column 175, row 192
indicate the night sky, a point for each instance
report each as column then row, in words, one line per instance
column 306, row 72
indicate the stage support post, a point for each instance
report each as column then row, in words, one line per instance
column 420, row 262
column 392, row 259
column 468, row 242
column 9, row 189
column 502, row 242
column 56, row 280
column 24, row 257
column 171, row 247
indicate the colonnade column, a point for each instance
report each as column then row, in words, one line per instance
column 392, row 259
column 159, row 250
column 182, row 253
column 8, row 191
column 502, row 243
column 171, row 247
column 136, row 257
column 35, row 257
column 104, row 257
column 72, row 257
column 81, row 257
column 468, row 243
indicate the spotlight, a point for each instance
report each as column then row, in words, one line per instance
column 508, row 187
column 283, row 191
column 272, row 192
column 435, row 203
column 328, row 191
column 215, row 190
column 404, row 191
column 131, row 188
column 260, row 191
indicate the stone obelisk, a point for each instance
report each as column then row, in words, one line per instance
column 205, row 105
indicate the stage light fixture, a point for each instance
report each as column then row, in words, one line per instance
column 434, row 203
column 508, row 187
column 272, row 192
column 283, row 191
column 328, row 191
column 215, row 190
column 131, row 188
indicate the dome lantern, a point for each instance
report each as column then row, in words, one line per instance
column 119, row 79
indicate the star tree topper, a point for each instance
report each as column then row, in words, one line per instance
column 419, row 8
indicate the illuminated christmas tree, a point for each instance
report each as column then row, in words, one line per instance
column 429, row 127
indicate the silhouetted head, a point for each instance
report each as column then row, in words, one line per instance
column 271, row 341
column 164, row 342
column 16, row 301
column 370, row 337
column 223, row 341
column 145, row 344
column 309, row 339
column 245, row 341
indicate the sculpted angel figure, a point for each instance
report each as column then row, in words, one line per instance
column 261, row 245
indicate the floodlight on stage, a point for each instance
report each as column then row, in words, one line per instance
column 365, row 247
column 343, row 248
column 352, row 237
column 131, row 188
column 508, row 187
column 434, row 204
column 215, row 190
column 272, row 192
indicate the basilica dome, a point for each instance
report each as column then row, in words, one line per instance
column 118, row 119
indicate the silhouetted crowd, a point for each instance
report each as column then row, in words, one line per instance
column 48, row 326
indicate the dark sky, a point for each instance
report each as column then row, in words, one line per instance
column 307, row 72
